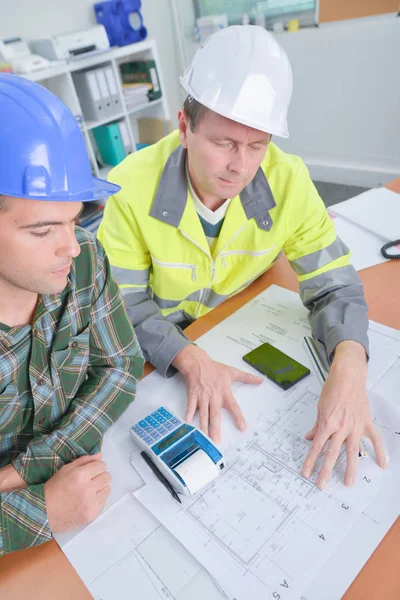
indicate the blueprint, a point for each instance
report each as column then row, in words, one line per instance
column 261, row 529
column 126, row 554
column 119, row 551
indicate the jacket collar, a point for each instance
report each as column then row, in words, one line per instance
column 171, row 196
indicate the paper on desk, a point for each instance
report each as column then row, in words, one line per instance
column 260, row 525
column 356, row 548
column 197, row 470
column 365, row 246
column 377, row 211
column 126, row 554
column 278, row 318
column 260, row 528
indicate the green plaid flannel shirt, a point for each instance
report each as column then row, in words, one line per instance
column 63, row 381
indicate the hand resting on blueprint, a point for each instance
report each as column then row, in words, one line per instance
column 343, row 416
column 209, row 389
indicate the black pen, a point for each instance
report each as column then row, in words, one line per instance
column 160, row 476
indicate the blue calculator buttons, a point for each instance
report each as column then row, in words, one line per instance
column 159, row 424
column 159, row 417
column 164, row 413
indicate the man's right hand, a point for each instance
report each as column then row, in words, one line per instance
column 76, row 494
column 209, row 389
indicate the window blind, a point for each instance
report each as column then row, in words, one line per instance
column 273, row 10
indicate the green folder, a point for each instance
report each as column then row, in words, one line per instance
column 110, row 144
column 142, row 71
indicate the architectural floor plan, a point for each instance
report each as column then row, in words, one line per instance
column 127, row 554
column 261, row 528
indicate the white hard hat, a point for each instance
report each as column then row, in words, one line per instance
column 242, row 73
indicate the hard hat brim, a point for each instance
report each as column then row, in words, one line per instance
column 103, row 189
column 99, row 190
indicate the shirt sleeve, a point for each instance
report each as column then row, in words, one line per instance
column 159, row 338
column 115, row 365
column 329, row 285
column 23, row 519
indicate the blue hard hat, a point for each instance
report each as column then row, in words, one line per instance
column 42, row 150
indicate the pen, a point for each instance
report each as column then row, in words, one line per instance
column 160, row 476
column 321, row 370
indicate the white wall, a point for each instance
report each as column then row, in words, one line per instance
column 33, row 19
column 345, row 115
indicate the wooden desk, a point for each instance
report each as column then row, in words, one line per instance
column 44, row 573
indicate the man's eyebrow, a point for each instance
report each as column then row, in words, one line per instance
column 39, row 224
column 263, row 141
column 226, row 138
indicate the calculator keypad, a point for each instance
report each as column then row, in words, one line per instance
column 155, row 426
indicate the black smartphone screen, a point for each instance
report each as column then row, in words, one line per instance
column 276, row 365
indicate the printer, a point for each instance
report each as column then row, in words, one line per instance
column 16, row 52
column 69, row 46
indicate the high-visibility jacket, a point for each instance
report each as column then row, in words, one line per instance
column 161, row 259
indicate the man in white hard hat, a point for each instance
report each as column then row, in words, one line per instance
column 207, row 210
column 69, row 359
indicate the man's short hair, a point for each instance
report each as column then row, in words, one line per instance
column 195, row 111
column 3, row 202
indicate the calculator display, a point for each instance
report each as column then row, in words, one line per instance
column 171, row 439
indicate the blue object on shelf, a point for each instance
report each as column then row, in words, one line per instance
column 123, row 21
column 141, row 146
column 110, row 144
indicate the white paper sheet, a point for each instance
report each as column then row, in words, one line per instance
column 260, row 528
column 377, row 211
column 126, row 554
column 197, row 470
column 365, row 246
column 281, row 320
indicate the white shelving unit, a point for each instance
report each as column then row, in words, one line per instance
column 60, row 80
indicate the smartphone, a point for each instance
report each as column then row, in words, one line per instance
column 276, row 365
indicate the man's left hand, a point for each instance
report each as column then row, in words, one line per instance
column 343, row 416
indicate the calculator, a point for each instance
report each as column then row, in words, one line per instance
column 181, row 452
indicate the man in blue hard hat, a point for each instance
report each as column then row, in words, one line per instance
column 69, row 358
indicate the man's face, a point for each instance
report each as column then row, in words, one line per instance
column 223, row 155
column 37, row 244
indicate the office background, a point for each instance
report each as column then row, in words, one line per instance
column 345, row 114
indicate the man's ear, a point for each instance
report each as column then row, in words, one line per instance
column 183, row 126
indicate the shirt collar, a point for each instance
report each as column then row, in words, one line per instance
column 53, row 301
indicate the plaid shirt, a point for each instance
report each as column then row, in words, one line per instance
column 63, row 381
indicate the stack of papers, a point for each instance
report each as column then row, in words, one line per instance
column 259, row 530
column 136, row 93
column 366, row 222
